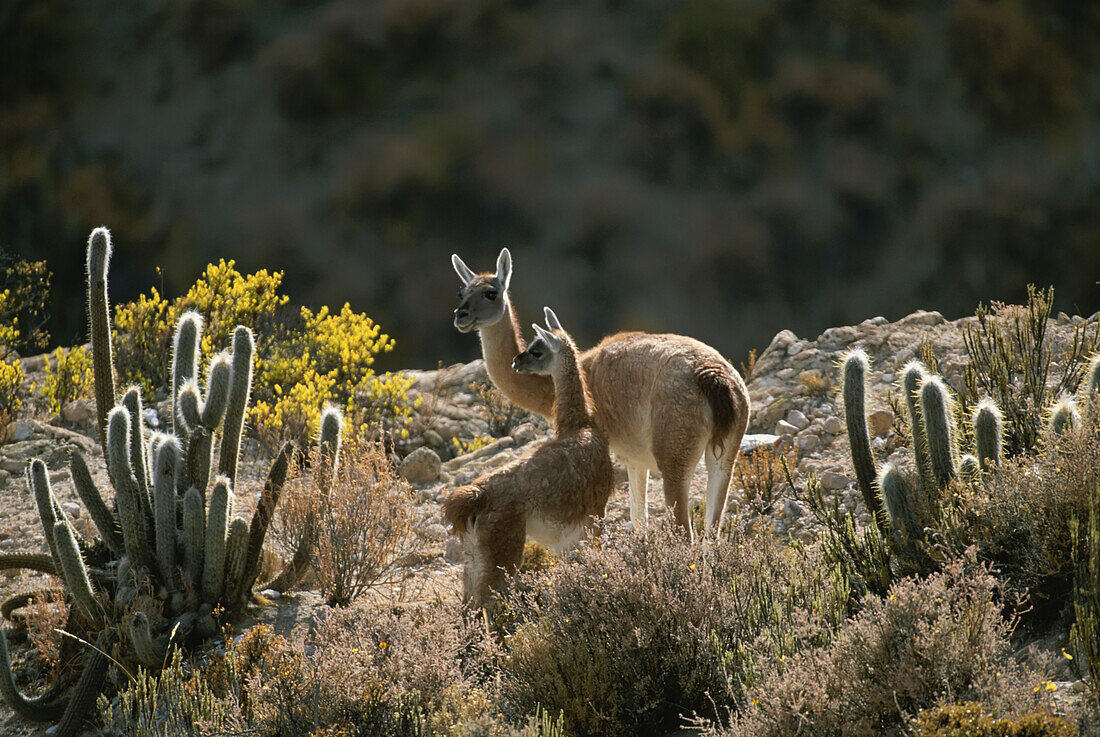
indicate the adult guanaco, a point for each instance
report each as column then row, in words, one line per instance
column 664, row 400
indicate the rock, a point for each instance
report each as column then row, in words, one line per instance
column 751, row 442
column 79, row 412
column 422, row 466
column 21, row 430
column 807, row 442
column 149, row 415
column 834, row 481
column 798, row 419
column 922, row 317
column 435, row 532
column 881, row 422
column 785, row 428
column 72, row 509
column 888, row 378
column 833, row 425
column 431, row 437
column 524, row 433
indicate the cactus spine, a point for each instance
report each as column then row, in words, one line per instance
column 99, row 255
column 217, row 527
column 239, row 387
column 898, row 498
column 1064, row 416
column 185, row 360
column 135, row 531
column 988, row 433
column 935, row 405
column 194, row 536
column 76, row 573
column 166, row 466
column 854, row 369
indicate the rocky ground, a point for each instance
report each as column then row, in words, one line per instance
column 794, row 404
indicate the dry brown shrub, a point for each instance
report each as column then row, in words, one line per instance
column 48, row 612
column 814, row 384
column 360, row 528
column 762, row 473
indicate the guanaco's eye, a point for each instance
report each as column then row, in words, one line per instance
column 536, row 352
column 491, row 295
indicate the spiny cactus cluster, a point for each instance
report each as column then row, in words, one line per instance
column 171, row 561
column 899, row 504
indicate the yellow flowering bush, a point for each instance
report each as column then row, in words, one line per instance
column 469, row 446
column 11, row 378
column 303, row 358
column 69, row 379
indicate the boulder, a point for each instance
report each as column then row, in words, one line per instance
column 422, row 466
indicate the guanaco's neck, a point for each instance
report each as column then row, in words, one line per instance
column 573, row 408
column 500, row 343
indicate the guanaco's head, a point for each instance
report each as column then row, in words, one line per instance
column 483, row 298
column 543, row 350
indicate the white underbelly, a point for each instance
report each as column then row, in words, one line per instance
column 553, row 535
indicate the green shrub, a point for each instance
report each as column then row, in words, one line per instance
column 69, row 379
column 637, row 629
column 970, row 720
column 11, row 378
column 302, row 359
column 927, row 639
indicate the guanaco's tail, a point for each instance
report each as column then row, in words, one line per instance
column 717, row 385
column 461, row 506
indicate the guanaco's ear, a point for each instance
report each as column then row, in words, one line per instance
column 547, row 337
column 462, row 270
column 552, row 320
column 504, row 268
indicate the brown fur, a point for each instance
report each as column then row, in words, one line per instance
column 551, row 493
column 663, row 400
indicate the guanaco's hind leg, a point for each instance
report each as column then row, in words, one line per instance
column 719, row 470
column 500, row 552
column 638, row 476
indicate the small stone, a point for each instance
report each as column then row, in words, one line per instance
column 785, row 428
column 149, row 415
column 524, row 433
column 834, row 481
column 422, row 466
column 795, row 348
column 833, row 425
column 881, row 421
column 922, row 317
column 21, row 430
column 798, row 419
column 431, row 437
column 435, row 532
column 271, row 594
column 888, row 378
column 78, row 412
column 794, row 508
column 807, row 442
column 72, row 509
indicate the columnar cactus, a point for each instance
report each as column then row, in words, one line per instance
column 99, row 319
column 939, row 428
column 1064, row 416
column 988, row 433
column 898, row 498
column 158, row 538
column 854, row 369
column 912, row 377
column 1090, row 387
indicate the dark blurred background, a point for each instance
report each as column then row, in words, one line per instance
column 720, row 168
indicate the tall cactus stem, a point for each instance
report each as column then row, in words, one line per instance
column 988, row 433
column 328, row 446
column 189, row 404
column 193, row 533
column 135, row 524
column 103, row 518
column 236, row 558
column 217, row 527
column 854, row 369
column 912, row 377
column 265, row 510
column 131, row 400
column 1090, row 388
column 76, row 573
column 83, row 696
column 185, row 360
column 218, row 378
column 200, row 457
column 166, row 467
column 239, row 387
column 39, row 479
column 99, row 255
column 900, row 500
column 47, row 707
column 935, row 403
